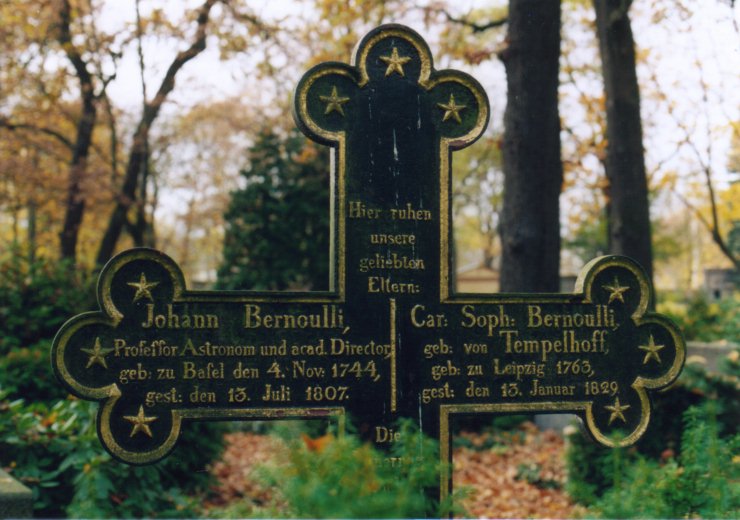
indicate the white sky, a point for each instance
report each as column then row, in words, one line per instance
column 711, row 50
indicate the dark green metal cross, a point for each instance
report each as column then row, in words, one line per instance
column 391, row 338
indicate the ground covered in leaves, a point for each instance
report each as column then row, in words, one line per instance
column 513, row 474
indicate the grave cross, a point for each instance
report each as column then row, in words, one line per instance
column 391, row 338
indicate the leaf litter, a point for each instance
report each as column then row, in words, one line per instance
column 513, row 474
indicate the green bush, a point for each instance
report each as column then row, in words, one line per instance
column 349, row 479
column 40, row 443
column 701, row 320
column 25, row 373
column 36, row 299
column 56, row 452
column 591, row 467
column 702, row 482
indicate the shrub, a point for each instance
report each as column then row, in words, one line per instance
column 49, row 442
column 701, row 320
column 41, row 444
column 591, row 467
column 37, row 298
column 345, row 478
column 25, row 373
column 56, row 452
column 701, row 482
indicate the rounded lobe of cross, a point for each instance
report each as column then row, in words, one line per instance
column 650, row 346
column 326, row 100
column 85, row 353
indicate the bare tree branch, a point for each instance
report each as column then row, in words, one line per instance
column 473, row 26
column 138, row 152
column 710, row 227
column 5, row 123
column 705, row 166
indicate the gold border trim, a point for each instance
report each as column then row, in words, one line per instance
column 59, row 348
column 585, row 407
column 446, row 146
column 584, row 283
column 338, row 169
column 161, row 451
column 394, row 368
column 359, row 56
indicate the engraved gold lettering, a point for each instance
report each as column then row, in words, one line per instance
column 340, row 347
column 134, row 374
column 208, row 349
column 518, row 369
column 393, row 261
column 281, row 349
column 171, row 320
column 300, row 369
column 165, row 373
column 156, row 348
column 602, row 317
column 410, row 213
column 540, row 390
column 384, row 434
column 197, row 396
column 568, row 344
column 442, row 392
column 610, row 388
column 383, row 284
column 244, row 372
column 358, row 209
column 475, row 390
column 490, row 322
column 435, row 349
column 170, row 396
column 238, row 395
column 509, row 390
column 575, row 367
column 327, row 393
column 318, row 349
column 446, row 370
column 330, row 317
column 420, row 320
column 192, row 370
column 400, row 239
column 475, row 348
column 280, row 394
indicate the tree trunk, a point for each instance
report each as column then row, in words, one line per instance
column 629, row 211
column 533, row 172
column 75, row 205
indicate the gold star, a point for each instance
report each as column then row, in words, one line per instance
column 451, row 109
column 652, row 350
column 97, row 354
column 616, row 291
column 143, row 288
column 334, row 102
column 140, row 422
column 395, row 62
column 617, row 411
